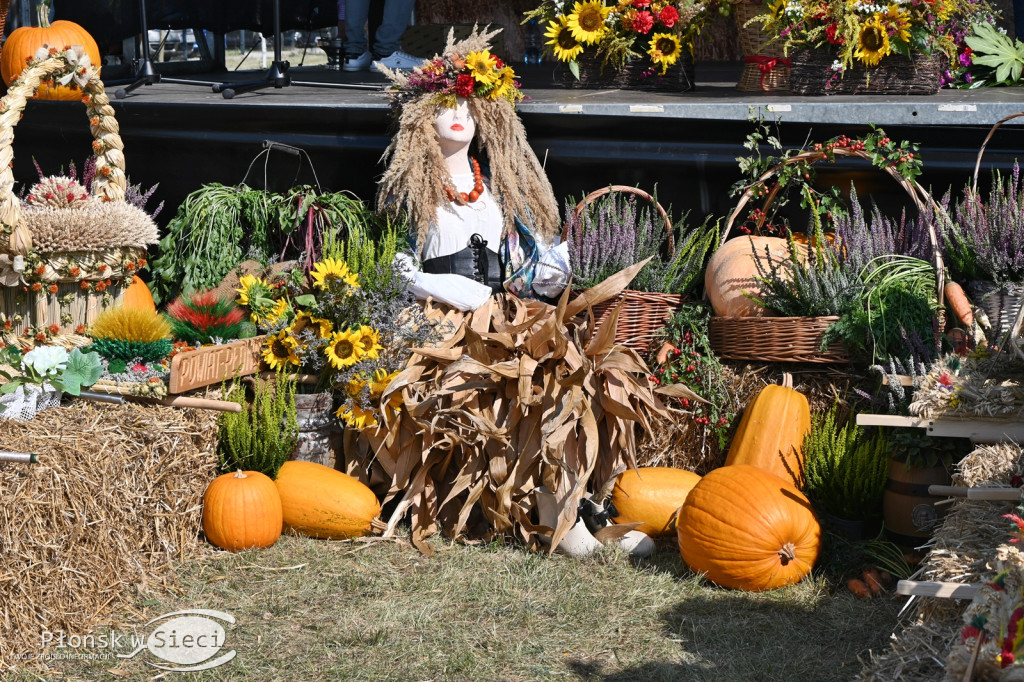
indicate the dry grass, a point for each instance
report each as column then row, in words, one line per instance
column 380, row 611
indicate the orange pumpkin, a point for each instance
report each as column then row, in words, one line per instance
column 651, row 496
column 137, row 295
column 732, row 271
column 324, row 503
column 747, row 529
column 22, row 44
column 241, row 511
column 771, row 433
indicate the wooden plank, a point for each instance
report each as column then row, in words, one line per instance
column 977, row 430
column 903, row 379
column 948, row 490
column 864, row 419
column 202, row 404
column 214, row 364
column 992, row 493
column 942, row 590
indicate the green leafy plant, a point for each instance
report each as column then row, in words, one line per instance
column 263, row 435
column 1000, row 55
column 67, row 372
column 920, row 451
column 365, row 252
column 845, row 470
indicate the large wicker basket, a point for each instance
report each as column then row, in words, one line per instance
column 812, row 74
column 47, row 288
column 642, row 313
column 765, row 67
column 638, row 74
column 799, row 339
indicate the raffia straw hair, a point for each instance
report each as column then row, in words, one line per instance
column 417, row 175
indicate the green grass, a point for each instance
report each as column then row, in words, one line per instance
column 381, row 611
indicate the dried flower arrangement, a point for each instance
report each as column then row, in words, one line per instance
column 131, row 334
column 205, row 317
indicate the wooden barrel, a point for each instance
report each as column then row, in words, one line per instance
column 909, row 511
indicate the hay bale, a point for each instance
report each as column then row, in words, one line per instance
column 114, row 500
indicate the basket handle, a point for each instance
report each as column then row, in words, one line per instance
column 919, row 195
column 625, row 189
column 981, row 152
column 110, row 182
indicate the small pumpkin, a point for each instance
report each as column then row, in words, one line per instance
column 242, row 511
column 747, row 529
column 732, row 272
column 137, row 295
column 22, row 44
column 651, row 496
column 322, row 502
column 771, row 432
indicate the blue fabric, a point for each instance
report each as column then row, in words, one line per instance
column 397, row 14
column 519, row 256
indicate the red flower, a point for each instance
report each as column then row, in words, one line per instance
column 830, row 34
column 641, row 3
column 464, row 85
column 669, row 16
column 75, row 271
column 101, row 286
column 85, row 284
column 80, row 329
column 644, row 22
column 54, row 329
column 52, row 288
column 36, row 286
column 40, row 337
column 498, row 64
column 138, row 367
column 1007, row 659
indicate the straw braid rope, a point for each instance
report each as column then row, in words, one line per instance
column 110, row 182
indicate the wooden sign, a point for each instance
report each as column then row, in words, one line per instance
column 214, row 364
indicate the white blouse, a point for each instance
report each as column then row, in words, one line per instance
column 455, row 224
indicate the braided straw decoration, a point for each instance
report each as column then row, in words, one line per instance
column 110, row 182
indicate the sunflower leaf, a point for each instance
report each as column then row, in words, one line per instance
column 574, row 68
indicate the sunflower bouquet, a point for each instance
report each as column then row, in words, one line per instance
column 862, row 33
column 354, row 338
column 656, row 31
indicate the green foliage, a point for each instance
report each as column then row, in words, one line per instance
column 144, row 351
column 845, row 470
column 918, row 450
column 202, row 317
column 82, row 370
column 1001, row 55
column 365, row 252
column 263, row 435
column 67, row 372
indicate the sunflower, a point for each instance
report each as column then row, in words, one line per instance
column 252, row 289
column 872, row 42
column 279, row 351
column 380, row 382
column 898, row 22
column 563, row 45
column 587, row 21
column 368, row 341
column 343, row 349
column 665, row 49
column 506, row 81
column 356, row 417
column 481, row 66
column 328, row 269
column 320, row 327
column 274, row 314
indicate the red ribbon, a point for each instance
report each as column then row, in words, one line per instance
column 766, row 65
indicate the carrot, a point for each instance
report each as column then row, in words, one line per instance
column 662, row 356
column 886, row 578
column 957, row 299
column 859, row 589
column 873, row 580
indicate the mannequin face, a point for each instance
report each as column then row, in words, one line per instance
column 455, row 127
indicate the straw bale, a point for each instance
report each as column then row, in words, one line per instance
column 964, row 549
column 113, row 502
column 983, row 388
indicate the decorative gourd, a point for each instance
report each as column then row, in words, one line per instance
column 324, row 503
column 732, row 271
column 137, row 295
column 22, row 44
column 653, row 496
column 241, row 511
column 747, row 529
column 771, row 433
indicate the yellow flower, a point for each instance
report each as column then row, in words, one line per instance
column 328, row 269
column 665, row 49
column 481, row 66
column 563, row 45
column 275, row 314
column 279, row 351
column 368, row 342
column 504, row 83
column 356, row 417
column 252, row 288
column 872, row 41
column 380, row 382
column 587, row 21
column 899, row 22
column 343, row 349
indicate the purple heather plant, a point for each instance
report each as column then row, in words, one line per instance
column 985, row 240
column 133, row 194
column 864, row 238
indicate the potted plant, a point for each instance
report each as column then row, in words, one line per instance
column 642, row 44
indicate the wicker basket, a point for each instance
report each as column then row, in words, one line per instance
column 896, row 74
column 765, row 67
column 643, row 313
column 46, row 291
column 797, row 339
column 635, row 75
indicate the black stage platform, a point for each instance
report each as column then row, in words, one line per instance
column 685, row 143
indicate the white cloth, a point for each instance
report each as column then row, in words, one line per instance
column 455, row 224
column 457, row 291
column 27, row 400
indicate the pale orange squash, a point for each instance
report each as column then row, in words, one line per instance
column 771, row 432
column 651, row 496
column 137, row 295
column 324, row 503
column 732, row 270
column 747, row 529
column 242, row 511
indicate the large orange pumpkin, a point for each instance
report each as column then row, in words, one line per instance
column 747, row 529
column 732, row 270
column 138, row 295
column 651, row 496
column 771, row 433
column 324, row 503
column 23, row 42
column 241, row 511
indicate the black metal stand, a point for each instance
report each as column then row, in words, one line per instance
column 145, row 74
column 278, row 76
